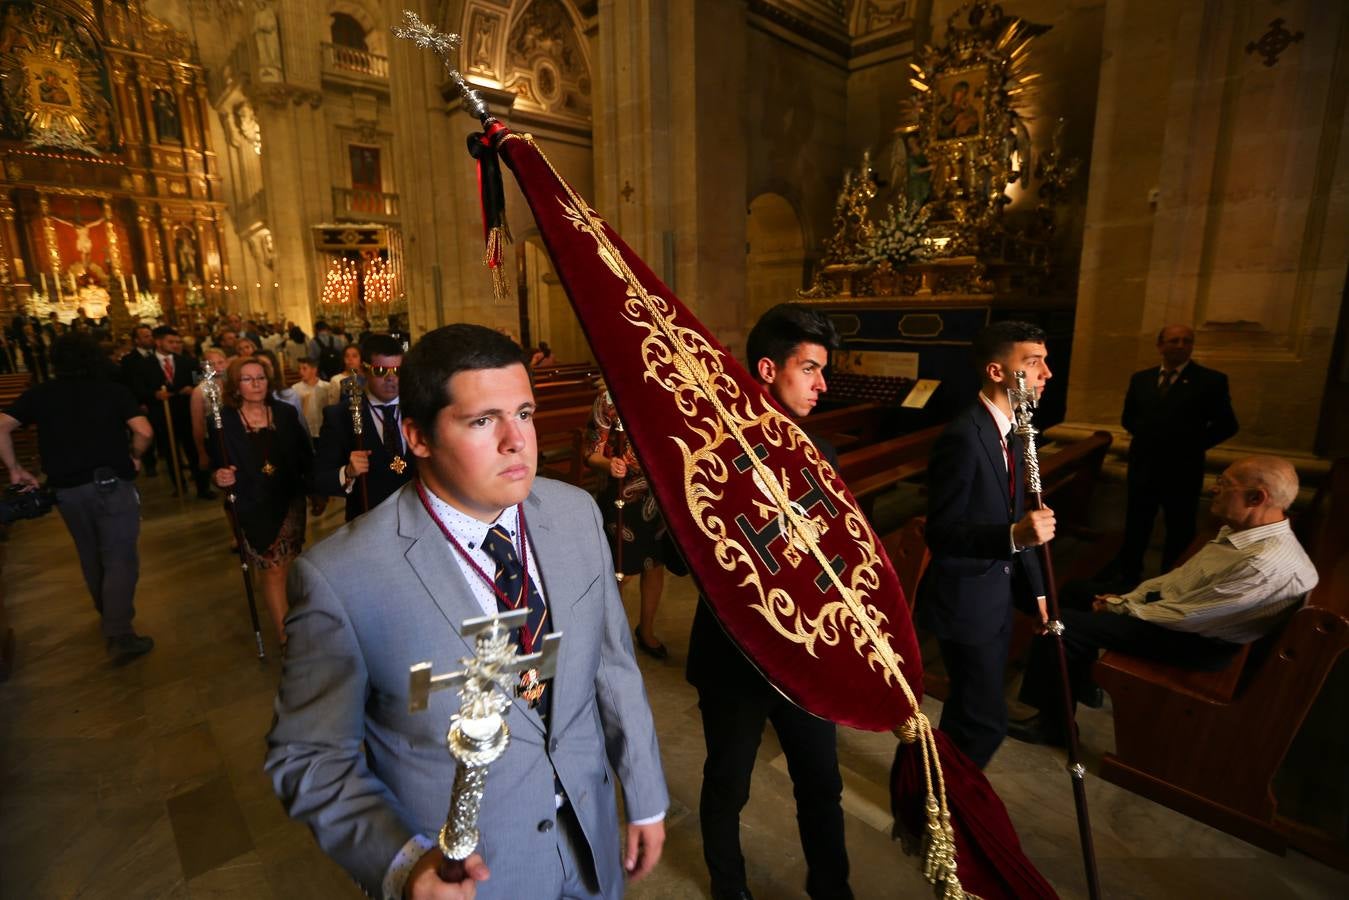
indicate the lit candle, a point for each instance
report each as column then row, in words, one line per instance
column 56, row 280
column 135, row 287
column 45, row 290
column 121, row 279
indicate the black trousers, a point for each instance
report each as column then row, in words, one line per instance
column 734, row 714
column 106, row 525
column 1177, row 496
column 182, row 435
column 1087, row 633
column 975, row 713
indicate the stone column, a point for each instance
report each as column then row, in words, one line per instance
column 709, row 153
column 298, row 183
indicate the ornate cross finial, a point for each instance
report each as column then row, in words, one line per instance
column 478, row 732
column 429, row 37
column 210, row 389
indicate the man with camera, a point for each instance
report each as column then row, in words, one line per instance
column 83, row 417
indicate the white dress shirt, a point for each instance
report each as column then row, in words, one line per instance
column 1235, row 589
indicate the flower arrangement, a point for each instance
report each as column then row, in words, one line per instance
column 898, row 238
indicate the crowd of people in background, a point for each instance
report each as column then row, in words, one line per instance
column 274, row 385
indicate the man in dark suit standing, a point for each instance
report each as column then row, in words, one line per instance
column 382, row 460
column 1174, row 412
column 787, row 351
column 130, row 369
column 980, row 534
column 167, row 374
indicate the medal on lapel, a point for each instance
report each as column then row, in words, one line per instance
column 268, row 468
column 398, row 465
column 531, row 687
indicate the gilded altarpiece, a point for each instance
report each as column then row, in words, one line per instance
column 918, row 261
column 110, row 194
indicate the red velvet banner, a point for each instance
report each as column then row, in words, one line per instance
column 777, row 544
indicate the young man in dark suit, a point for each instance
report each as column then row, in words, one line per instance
column 980, row 533
column 166, row 374
column 382, row 460
column 787, row 351
column 1174, row 412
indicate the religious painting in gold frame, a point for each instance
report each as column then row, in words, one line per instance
column 53, row 90
column 959, row 105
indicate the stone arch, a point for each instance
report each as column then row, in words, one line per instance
column 376, row 35
column 776, row 257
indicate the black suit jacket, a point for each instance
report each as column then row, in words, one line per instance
column 262, row 501
column 337, row 440
column 968, row 591
column 1171, row 433
column 149, row 378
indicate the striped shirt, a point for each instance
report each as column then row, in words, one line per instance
column 1235, row 589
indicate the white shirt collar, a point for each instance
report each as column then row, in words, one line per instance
column 1248, row 536
column 467, row 530
column 163, row 356
column 1161, row 370
column 1004, row 423
column 375, row 401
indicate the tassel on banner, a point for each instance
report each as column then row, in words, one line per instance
column 492, row 196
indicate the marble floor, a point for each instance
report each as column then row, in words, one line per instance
column 144, row 780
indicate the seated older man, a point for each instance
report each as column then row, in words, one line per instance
column 1232, row 592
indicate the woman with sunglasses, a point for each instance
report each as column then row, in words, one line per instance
column 264, row 458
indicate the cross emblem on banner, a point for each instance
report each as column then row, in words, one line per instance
column 776, row 523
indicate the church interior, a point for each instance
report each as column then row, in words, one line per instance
column 913, row 169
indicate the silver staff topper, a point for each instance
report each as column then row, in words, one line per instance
column 210, row 391
column 428, row 37
column 1024, row 400
column 478, row 733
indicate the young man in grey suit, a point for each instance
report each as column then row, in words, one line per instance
column 389, row 590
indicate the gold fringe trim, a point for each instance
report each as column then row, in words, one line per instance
column 938, row 846
column 497, row 238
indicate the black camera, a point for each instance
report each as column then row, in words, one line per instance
column 16, row 504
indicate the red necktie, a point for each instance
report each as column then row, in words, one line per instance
column 168, row 370
column 1011, row 466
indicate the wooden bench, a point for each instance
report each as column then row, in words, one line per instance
column 25, row 439
column 556, row 434
column 876, row 468
column 848, row 426
column 1208, row 744
column 6, row 632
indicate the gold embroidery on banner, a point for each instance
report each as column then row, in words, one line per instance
column 682, row 361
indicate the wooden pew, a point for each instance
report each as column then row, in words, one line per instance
column 556, row 431
column 1209, row 744
column 848, row 426
column 566, row 371
column 25, row 439
column 6, row 632
column 872, row 470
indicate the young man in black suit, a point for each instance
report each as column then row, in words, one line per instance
column 1174, row 412
column 166, row 374
column 980, row 533
column 383, row 460
column 787, row 351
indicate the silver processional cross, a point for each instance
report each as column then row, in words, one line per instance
column 478, row 733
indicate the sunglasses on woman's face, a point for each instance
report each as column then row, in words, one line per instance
column 384, row 371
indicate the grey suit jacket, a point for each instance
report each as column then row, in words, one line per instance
column 348, row 759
